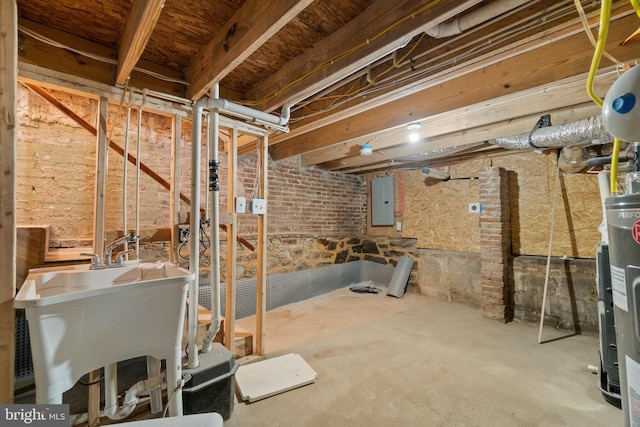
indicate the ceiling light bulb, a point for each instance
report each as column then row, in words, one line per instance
column 414, row 137
column 414, row 126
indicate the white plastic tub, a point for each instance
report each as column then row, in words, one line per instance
column 81, row 320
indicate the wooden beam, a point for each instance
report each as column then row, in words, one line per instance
column 387, row 157
column 562, row 94
column 508, row 73
column 44, row 55
column 137, row 31
column 252, row 25
column 118, row 149
column 8, row 144
column 368, row 37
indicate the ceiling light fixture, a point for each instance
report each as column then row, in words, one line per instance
column 366, row 149
column 414, row 136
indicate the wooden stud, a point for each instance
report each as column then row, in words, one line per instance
column 230, row 279
column 8, row 89
column 261, row 279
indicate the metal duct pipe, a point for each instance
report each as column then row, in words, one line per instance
column 572, row 159
column 470, row 20
column 589, row 131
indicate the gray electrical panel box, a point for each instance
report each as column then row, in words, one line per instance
column 382, row 206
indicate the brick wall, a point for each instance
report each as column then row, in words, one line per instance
column 495, row 244
column 56, row 173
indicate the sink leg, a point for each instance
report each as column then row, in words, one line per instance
column 174, row 376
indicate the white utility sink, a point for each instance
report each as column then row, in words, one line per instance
column 82, row 319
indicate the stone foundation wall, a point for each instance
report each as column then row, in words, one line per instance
column 571, row 297
column 286, row 254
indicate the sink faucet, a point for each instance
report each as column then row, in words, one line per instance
column 95, row 262
column 127, row 238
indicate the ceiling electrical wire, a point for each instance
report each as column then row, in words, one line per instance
column 514, row 30
column 100, row 58
column 346, row 53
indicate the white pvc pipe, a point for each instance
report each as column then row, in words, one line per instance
column 110, row 389
column 194, row 225
column 138, row 175
column 605, row 191
column 125, row 172
column 255, row 115
column 194, row 247
column 214, row 209
column 460, row 24
column 112, row 409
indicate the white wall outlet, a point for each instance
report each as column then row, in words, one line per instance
column 475, row 208
column 398, row 225
column 241, row 204
column 258, row 206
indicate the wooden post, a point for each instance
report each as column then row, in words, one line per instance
column 102, row 162
column 261, row 279
column 175, row 187
column 230, row 280
column 8, row 89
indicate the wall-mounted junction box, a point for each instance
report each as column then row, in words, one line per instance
column 258, row 206
column 382, row 203
column 241, row 204
column 183, row 234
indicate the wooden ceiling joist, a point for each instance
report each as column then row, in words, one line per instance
column 537, row 101
column 379, row 30
column 479, row 134
column 142, row 19
column 499, row 75
column 253, row 24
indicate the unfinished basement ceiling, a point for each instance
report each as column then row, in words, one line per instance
column 355, row 71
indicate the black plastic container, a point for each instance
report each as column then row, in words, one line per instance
column 211, row 387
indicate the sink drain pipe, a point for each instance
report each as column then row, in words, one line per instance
column 216, row 105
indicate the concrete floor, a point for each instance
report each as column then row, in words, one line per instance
column 383, row 361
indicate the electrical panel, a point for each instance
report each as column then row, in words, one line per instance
column 382, row 204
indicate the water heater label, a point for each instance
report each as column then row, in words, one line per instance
column 619, row 287
column 633, row 392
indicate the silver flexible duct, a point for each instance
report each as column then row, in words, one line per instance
column 589, row 131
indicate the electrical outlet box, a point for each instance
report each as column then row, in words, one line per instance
column 183, row 234
column 258, row 206
column 398, row 225
column 475, row 208
column 241, row 204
